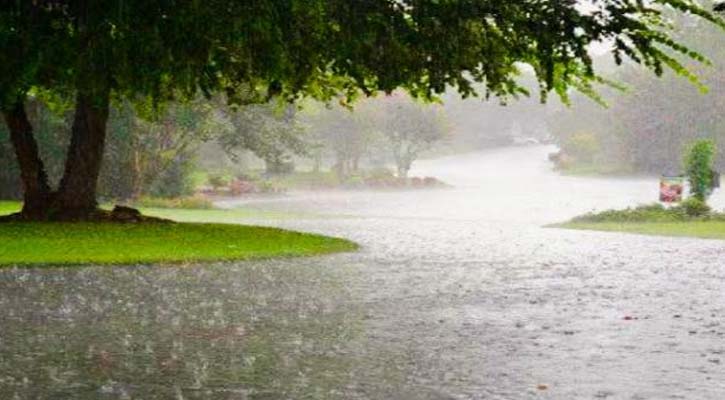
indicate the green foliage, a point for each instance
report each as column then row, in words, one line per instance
column 271, row 133
column 142, row 157
column 705, row 229
column 149, row 52
column 647, row 127
column 698, row 162
column 689, row 210
column 644, row 213
column 410, row 129
column 253, row 49
column 175, row 180
column 694, row 207
column 219, row 180
column 394, row 128
column 342, row 135
column 47, row 244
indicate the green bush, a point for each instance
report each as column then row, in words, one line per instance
column 174, row 181
column 689, row 210
column 125, row 141
column 694, row 207
column 699, row 160
column 218, row 181
column 645, row 213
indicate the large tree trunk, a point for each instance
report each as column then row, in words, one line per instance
column 36, row 191
column 76, row 196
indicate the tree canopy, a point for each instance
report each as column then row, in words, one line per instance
column 161, row 48
column 165, row 49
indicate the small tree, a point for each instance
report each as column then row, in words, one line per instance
column 343, row 133
column 410, row 128
column 272, row 133
column 698, row 162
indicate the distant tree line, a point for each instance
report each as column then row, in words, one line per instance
column 155, row 153
column 646, row 128
column 393, row 129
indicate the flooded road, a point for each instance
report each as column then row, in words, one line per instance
column 457, row 293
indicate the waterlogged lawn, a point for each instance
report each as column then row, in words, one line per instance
column 690, row 219
column 104, row 243
column 698, row 229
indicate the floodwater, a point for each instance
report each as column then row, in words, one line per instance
column 457, row 293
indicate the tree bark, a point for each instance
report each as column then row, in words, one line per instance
column 77, row 192
column 36, row 190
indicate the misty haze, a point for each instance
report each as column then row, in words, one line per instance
column 335, row 200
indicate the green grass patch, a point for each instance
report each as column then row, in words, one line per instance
column 218, row 239
column 692, row 218
column 9, row 207
column 697, row 229
column 102, row 243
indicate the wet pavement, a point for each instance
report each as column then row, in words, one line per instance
column 457, row 293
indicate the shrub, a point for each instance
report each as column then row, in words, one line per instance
column 645, row 213
column 698, row 162
column 175, row 181
column 218, row 181
column 690, row 209
column 694, row 207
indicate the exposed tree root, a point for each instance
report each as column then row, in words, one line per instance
column 120, row 214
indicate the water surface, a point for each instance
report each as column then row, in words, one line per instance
column 457, row 293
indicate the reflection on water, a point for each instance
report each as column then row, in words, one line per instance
column 456, row 294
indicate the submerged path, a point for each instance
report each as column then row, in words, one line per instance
column 457, row 294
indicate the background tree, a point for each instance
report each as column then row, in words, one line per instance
column 410, row 129
column 341, row 134
column 148, row 153
column 270, row 131
column 647, row 127
column 92, row 51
